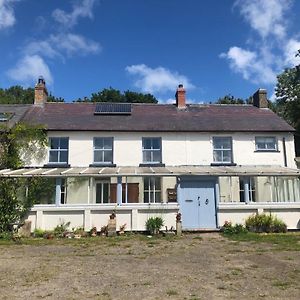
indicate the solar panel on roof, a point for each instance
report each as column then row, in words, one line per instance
column 113, row 109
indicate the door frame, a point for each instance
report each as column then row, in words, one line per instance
column 212, row 179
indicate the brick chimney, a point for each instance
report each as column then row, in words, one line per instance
column 180, row 97
column 40, row 92
column 260, row 98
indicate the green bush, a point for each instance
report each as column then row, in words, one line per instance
column 60, row 229
column 265, row 223
column 38, row 233
column 228, row 228
column 154, row 224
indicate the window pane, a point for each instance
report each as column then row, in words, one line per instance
column 107, row 143
column 107, row 156
column 98, row 143
column 157, row 197
column 147, row 156
column 98, row 156
column 54, row 143
column 64, row 143
column 222, row 142
column 98, row 192
column 217, row 156
column 146, row 143
column 146, row 197
column 226, row 156
column 63, row 156
column 156, row 143
column 53, row 156
column 156, row 156
column 105, row 192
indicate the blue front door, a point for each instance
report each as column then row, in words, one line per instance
column 197, row 204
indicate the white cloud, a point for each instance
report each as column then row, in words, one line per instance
column 291, row 48
column 7, row 14
column 250, row 64
column 157, row 79
column 73, row 43
column 267, row 17
column 80, row 9
column 29, row 68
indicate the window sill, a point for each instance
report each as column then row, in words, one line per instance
column 108, row 165
column 152, row 165
column 223, row 164
column 57, row 165
column 277, row 151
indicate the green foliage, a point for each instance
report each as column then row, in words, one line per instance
column 288, row 99
column 114, row 95
column 154, row 224
column 60, row 229
column 228, row 228
column 39, row 233
column 229, row 99
column 265, row 223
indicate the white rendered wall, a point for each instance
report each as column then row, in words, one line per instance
column 177, row 148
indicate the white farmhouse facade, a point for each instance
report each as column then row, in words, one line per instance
column 211, row 163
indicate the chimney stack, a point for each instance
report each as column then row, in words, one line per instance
column 40, row 92
column 260, row 98
column 180, row 97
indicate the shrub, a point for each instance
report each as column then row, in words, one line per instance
column 236, row 229
column 265, row 223
column 154, row 224
column 38, row 233
column 61, row 228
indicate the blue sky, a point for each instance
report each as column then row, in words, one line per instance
column 213, row 47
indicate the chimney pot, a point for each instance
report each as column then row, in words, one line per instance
column 260, row 98
column 180, row 97
column 40, row 92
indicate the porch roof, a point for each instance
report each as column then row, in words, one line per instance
column 151, row 171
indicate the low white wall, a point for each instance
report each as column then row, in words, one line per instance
column 47, row 217
column 237, row 214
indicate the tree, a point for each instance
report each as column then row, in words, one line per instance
column 287, row 93
column 114, row 95
column 229, row 99
column 18, row 95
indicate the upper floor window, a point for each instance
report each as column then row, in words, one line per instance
column 263, row 143
column 152, row 150
column 222, row 149
column 103, row 150
column 59, row 150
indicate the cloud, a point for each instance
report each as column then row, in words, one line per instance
column 29, row 68
column 7, row 14
column 273, row 50
column 157, row 79
column 250, row 65
column 267, row 17
column 82, row 9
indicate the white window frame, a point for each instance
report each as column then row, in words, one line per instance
column 265, row 148
column 222, row 150
column 152, row 150
column 103, row 150
column 59, row 150
column 102, row 182
column 152, row 189
column 248, row 189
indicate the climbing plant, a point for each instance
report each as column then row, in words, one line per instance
column 15, row 144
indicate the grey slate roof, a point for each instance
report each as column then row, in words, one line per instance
column 158, row 118
column 17, row 111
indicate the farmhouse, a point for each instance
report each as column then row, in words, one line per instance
column 210, row 162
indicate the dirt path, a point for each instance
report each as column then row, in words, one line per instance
column 205, row 266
